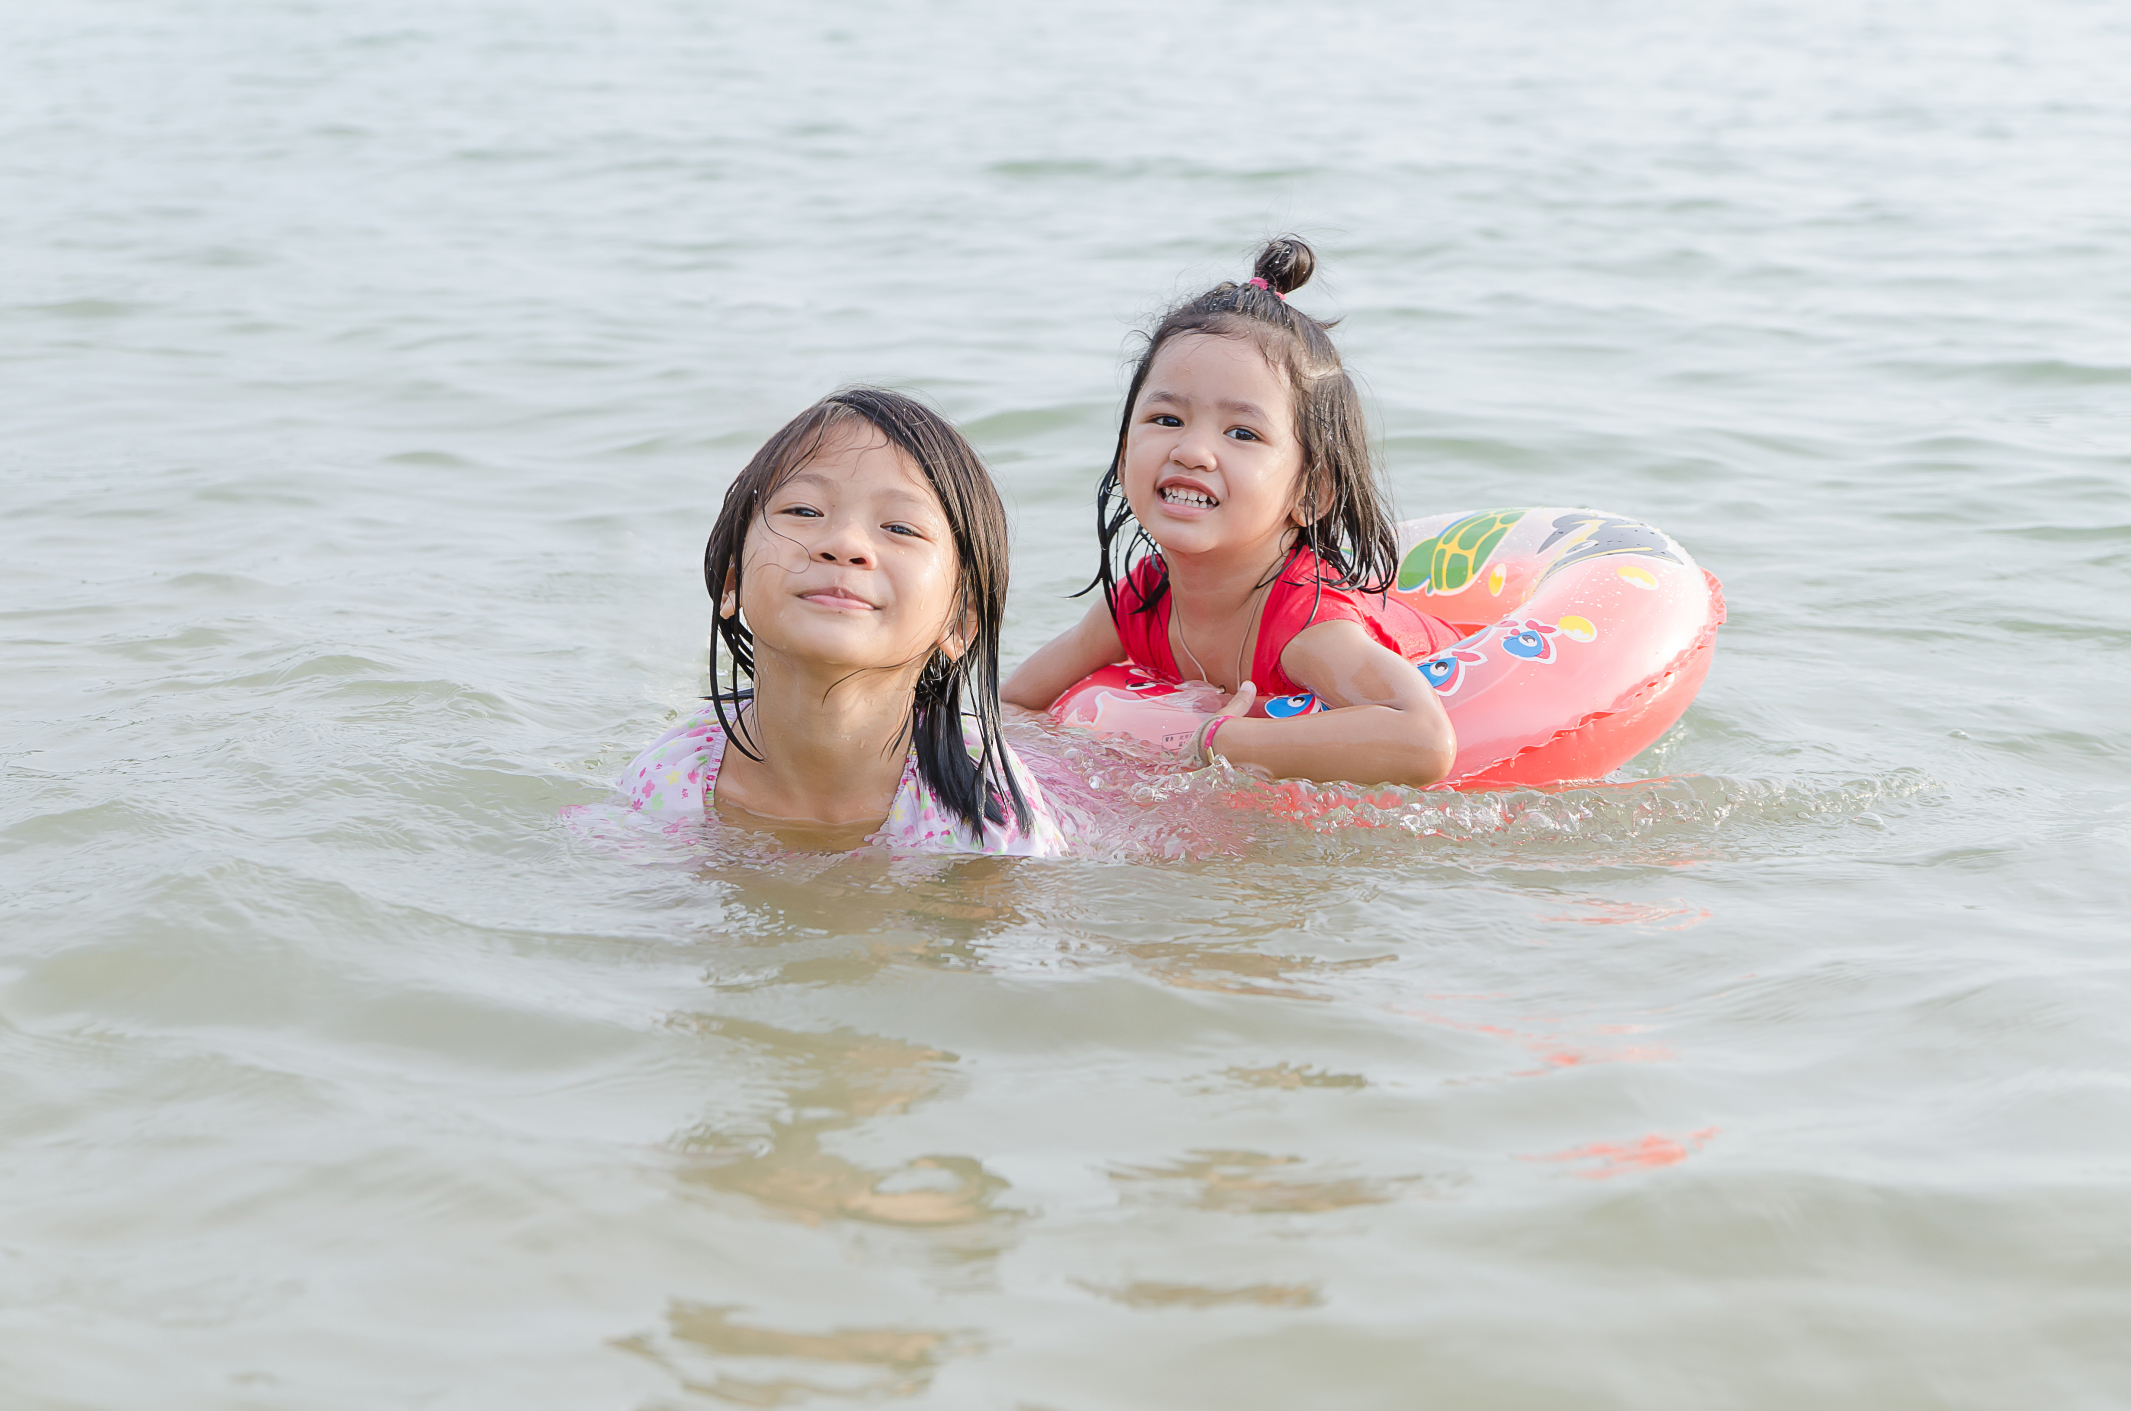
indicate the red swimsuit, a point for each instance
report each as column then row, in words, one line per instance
column 1295, row 601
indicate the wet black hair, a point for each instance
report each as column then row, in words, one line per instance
column 978, row 790
column 1350, row 530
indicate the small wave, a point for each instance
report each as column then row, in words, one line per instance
column 1125, row 802
column 1122, row 804
column 1605, row 812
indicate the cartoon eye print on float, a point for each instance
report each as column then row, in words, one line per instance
column 1287, row 707
column 1446, row 671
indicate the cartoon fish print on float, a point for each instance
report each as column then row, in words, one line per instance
column 1591, row 535
column 1532, row 639
column 1446, row 563
column 1446, row 670
column 1140, row 682
column 1301, row 703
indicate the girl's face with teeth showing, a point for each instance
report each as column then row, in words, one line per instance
column 1212, row 459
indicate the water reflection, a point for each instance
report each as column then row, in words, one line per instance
column 719, row 1353
column 1244, row 1183
column 1148, row 1294
column 830, row 1083
column 1289, row 1076
column 1601, row 1161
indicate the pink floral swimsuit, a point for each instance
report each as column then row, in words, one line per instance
column 679, row 773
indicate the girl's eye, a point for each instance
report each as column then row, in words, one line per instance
column 1243, row 433
column 902, row 529
column 803, row 511
column 1165, row 419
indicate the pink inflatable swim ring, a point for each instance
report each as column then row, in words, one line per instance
column 1587, row 636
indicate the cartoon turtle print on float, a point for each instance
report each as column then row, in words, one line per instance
column 1591, row 535
column 1447, row 562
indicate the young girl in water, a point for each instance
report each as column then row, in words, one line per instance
column 1243, row 464
column 859, row 567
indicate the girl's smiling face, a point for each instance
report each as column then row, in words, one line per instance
column 1211, row 456
column 851, row 562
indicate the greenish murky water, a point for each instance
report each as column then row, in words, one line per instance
column 370, row 374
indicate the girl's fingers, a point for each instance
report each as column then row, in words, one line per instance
column 1240, row 703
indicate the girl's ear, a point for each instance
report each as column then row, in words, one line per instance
column 1313, row 500
column 729, row 602
column 958, row 638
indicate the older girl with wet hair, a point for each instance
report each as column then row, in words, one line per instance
column 859, row 566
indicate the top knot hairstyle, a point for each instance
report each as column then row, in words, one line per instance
column 1285, row 265
column 1348, row 526
column 949, row 689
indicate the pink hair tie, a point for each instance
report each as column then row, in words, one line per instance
column 1263, row 285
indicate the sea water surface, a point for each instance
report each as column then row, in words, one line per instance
column 369, row 376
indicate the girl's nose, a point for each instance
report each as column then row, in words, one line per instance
column 842, row 539
column 1193, row 451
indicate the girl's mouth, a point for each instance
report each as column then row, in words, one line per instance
column 1183, row 495
column 838, row 598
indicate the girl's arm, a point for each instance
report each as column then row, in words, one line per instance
column 1072, row 654
column 1385, row 726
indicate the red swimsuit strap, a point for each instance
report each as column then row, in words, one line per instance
column 1300, row 597
column 1145, row 635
